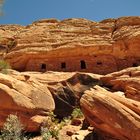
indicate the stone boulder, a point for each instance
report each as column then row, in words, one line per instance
column 67, row 93
column 114, row 108
column 66, row 88
column 24, row 96
column 114, row 116
column 127, row 80
column 32, row 95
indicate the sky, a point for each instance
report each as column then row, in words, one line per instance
column 24, row 12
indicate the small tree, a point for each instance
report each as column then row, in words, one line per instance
column 12, row 129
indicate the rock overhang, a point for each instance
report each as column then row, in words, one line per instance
column 53, row 39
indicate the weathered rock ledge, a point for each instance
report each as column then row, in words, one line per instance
column 73, row 45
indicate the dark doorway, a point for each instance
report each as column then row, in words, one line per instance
column 63, row 65
column 43, row 67
column 135, row 65
column 83, row 64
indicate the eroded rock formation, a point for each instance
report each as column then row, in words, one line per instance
column 114, row 108
column 77, row 45
column 74, row 45
column 114, row 114
column 8, row 35
column 67, row 93
column 32, row 95
column 25, row 97
column 127, row 80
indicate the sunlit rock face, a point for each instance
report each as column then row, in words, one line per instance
column 76, row 45
column 24, row 96
column 8, row 34
column 113, row 108
column 33, row 95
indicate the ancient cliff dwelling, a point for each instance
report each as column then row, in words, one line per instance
column 96, row 64
column 74, row 45
column 109, row 111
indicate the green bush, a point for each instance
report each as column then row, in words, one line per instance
column 50, row 132
column 12, row 129
column 45, row 133
column 4, row 66
column 77, row 113
column 64, row 122
column 50, row 128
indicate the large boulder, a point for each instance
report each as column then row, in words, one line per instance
column 24, row 96
column 114, row 116
column 32, row 95
column 67, row 93
column 114, row 108
column 66, row 88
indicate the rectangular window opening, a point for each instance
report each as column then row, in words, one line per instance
column 83, row 64
column 63, row 65
column 43, row 67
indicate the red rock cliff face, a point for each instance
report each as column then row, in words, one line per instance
column 8, row 35
column 77, row 45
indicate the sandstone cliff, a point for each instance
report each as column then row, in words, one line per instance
column 76, row 45
column 8, row 34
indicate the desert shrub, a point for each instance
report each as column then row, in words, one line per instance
column 77, row 113
column 50, row 128
column 55, row 133
column 52, row 117
column 12, row 129
column 64, row 122
column 50, row 131
column 45, row 133
column 4, row 66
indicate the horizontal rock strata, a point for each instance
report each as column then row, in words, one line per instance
column 74, row 45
